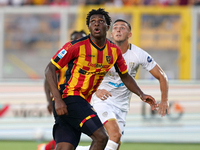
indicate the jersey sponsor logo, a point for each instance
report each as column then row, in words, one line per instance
column 84, row 72
column 62, row 53
column 116, row 84
column 97, row 65
column 149, row 59
column 91, row 55
column 81, row 71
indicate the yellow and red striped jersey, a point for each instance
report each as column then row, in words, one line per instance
column 87, row 65
column 61, row 75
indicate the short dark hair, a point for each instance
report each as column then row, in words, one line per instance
column 98, row 11
column 75, row 32
column 118, row 20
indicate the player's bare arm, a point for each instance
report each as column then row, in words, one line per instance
column 133, row 87
column 103, row 94
column 48, row 96
column 160, row 75
column 51, row 77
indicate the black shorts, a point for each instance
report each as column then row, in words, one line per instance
column 81, row 118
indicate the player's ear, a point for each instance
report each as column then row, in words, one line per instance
column 111, row 35
column 108, row 27
column 129, row 35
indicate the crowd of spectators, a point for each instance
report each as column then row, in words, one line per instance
column 100, row 2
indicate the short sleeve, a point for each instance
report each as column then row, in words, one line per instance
column 147, row 61
column 65, row 55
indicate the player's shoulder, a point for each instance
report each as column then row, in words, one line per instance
column 133, row 47
column 76, row 43
column 136, row 49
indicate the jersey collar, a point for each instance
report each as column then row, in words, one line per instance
column 95, row 45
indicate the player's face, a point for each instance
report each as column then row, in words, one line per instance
column 120, row 32
column 98, row 26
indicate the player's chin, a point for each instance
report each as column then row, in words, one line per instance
column 117, row 39
column 95, row 35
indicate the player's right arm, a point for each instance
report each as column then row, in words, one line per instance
column 103, row 94
column 58, row 61
column 48, row 96
column 51, row 77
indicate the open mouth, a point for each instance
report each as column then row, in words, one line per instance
column 97, row 30
column 118, row 35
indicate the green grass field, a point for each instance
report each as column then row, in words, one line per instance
column 32, row 145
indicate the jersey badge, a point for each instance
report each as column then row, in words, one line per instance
column 149, row 59
column 108, row 58
column 105, row 114
column 62, row 53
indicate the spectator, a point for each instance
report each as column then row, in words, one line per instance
column 94, row 2
column 28, row 2
column 60, row 3
column 16, row 2
column 116, row 3
column 149, row 2
column 166, row 2
column 196, row 2
column 4, row 3
column 131, row 2
column 184, row 2
column 40, row 2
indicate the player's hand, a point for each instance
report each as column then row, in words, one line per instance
column 61, row 107
column 103, row 94
column 163, row 108
column 150, row 100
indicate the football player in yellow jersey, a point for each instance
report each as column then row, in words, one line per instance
column 61, row 73
column 61, row 79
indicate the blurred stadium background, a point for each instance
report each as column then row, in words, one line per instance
column 30, row 35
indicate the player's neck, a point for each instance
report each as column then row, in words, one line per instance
column 100, row 42
column 123, row 46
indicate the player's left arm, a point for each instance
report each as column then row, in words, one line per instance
column 160, row 75
column 133, row 87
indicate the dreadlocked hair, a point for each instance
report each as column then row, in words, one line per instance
column 98, row 11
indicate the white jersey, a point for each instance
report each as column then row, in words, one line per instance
column 134, row 57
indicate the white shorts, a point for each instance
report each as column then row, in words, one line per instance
column 107, row 111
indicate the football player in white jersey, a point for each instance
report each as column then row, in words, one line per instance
column 111, row 100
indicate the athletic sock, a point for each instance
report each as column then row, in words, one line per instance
column 111, row 145
column 83, row 147
column 51, row 145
